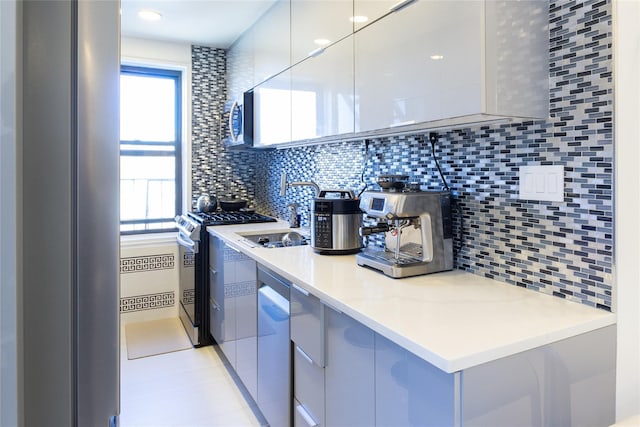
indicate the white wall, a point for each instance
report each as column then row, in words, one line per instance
column 627, row 134
column 9, row 220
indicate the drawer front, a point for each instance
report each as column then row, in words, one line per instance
column 216, row 307
column 308, row 385
column 307, row 324
column 215, row 248
column 301, row 417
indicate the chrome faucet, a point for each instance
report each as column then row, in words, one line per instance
column 284, row 185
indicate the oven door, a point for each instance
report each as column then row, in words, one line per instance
column 188, row 253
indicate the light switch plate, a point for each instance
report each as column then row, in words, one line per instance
column 543, row 183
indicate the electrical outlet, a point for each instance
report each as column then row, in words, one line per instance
column 543, row 183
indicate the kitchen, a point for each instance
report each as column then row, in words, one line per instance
column 482, row 181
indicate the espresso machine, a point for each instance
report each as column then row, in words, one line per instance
column 417, row 232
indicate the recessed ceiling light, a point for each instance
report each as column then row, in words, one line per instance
column 437, row 57
column 358, row 19
column 149, row 15
column 322, row 42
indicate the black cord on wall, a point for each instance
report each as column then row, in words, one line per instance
column 433, row 139
column 364, row 167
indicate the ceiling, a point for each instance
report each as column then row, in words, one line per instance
column 215, row 23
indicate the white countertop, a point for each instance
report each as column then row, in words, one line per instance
column 453, row 320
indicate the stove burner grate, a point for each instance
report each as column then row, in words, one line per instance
column 229, row 218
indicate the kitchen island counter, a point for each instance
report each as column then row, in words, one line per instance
column 454, row 320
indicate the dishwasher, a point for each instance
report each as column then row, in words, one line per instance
column 274, row 349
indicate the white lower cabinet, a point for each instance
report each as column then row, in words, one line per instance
column 349, row 372
column 233, row 309
column 308, row 336
column 247, row 334
column 410, row 391
column 347, row 375
column 566, row 383
column 308, row 389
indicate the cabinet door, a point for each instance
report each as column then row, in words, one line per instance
column 322, row 93
column 410, row 391
column 240, row 70
column 414, row 66
column 216, row 289
column 307, row 324
column 272, row 40
column 272, row 111
column 235, row 282
column 349, row 372
column 247, row 324
column 367, row 11
column 216, row 299
column 317, row 23
column 308, row 387
column 566, row 383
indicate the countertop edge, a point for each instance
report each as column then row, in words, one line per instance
column 449, row 365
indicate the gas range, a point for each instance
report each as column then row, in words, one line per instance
column 193, row 246
column 193, row 224
column 229, row 217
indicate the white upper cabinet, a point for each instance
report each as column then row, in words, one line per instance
column 367, row 11
column 240, row 66
column 322, row 93
column 439, row 63
column 315, row 24
column 271, row 45
column 272, row 111
column 391, row 67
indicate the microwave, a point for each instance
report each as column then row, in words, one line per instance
column 241, row 122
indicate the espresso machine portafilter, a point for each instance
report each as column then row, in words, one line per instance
column 417, row 229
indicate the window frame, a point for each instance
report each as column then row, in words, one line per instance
column 177, row 76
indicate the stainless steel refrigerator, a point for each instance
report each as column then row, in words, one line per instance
column 69, row 54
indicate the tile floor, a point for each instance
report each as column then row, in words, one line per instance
column 184, row 388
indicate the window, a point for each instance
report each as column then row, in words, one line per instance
column 150, row 148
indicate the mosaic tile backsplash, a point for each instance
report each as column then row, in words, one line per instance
column 216, row 171
column 560, row 248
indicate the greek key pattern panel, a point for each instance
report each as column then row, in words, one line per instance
column 139, row 264
column 239, row 289
column 231, row 255
column 189, row 296
column 147, row 302
column 188, row 259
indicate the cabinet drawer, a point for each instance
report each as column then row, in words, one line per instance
column 214, row 252
column 307, row 324
column 301, row 417
column 349, row 372
column 308, row 385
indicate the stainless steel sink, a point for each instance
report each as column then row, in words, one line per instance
column 276, row 239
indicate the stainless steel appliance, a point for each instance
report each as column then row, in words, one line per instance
column 241, row 122
column 68, row 162
column 417, row 227
column 335, row 223
column 274, row 348
column 193, row 246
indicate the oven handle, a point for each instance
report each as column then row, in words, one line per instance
column 189, row 244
